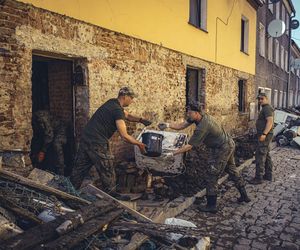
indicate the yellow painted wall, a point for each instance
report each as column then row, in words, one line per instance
column 165, row 22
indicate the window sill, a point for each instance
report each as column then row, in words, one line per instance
column 246, row 53
column 199, row 28
column 243, row 113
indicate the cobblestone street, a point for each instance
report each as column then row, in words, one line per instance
column 270, row 221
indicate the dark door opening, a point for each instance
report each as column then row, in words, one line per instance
column 52, row 93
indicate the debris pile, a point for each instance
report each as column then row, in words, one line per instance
column 287, row 127
column 37, row 216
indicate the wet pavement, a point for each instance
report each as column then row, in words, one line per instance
column 270, row 221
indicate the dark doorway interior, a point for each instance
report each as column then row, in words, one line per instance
column 52, row 90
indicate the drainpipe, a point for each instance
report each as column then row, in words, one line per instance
column 289, row 59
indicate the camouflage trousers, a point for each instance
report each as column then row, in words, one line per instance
column 222, row 159
column 99, row 156
column 264, row 164
column 58, row 143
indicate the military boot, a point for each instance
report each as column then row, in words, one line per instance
column 244, row 196
column 268, row 177
column 211, row 206
column 256, row 181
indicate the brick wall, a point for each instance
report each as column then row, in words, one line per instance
column 111, row 60
column 60, row 89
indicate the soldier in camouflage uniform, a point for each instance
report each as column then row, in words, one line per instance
column 221, row 158
column 264, row 127
column 94, row 143
column 48, row 131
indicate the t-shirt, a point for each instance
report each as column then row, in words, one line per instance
column 261, row 122
column 209, row 132
column 102, row 125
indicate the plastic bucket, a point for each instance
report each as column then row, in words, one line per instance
column 153, row 142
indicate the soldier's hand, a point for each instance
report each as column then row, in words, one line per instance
column 262, row 138
column 142, row 148
column 163, row 125
column 41, row 156
column 145, row 122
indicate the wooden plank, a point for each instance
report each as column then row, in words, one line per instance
column 89, row 228
column 48, row 231
column 102, row 194
column 168, row 211
column 30, row 183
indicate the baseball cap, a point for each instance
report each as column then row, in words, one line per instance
column 261, row 95
column 127, row 91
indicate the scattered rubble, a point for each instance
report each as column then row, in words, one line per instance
column 287, row 127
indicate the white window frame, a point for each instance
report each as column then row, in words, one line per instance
column 246, row 35
column 282, row 57
column 270, row 6
column 277, row 58
column 284, row 99
column 275, row 98
column 280, row 99
column 286, row 55
column 270, row 49
column 283, row 13
column 287, row 22
column 262, row 40
column 291, row 98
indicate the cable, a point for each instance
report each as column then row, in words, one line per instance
column 226, row 23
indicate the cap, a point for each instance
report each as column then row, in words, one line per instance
column 127, row 91
column 261, row 95
column 195, row 106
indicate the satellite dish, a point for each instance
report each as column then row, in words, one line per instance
column 276, row 28
column 296, row 64
column 294, row 24
column 274, row 1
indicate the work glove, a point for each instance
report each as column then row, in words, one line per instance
column 163, row 125
column 145, row 122
column 142, row 148
column 41, row 156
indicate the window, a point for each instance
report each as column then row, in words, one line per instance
column 287, row 23
column 195, row 79
column 244, row 34
column 262, row 39
column 275, row 98
column 198, row 13
column 242, row 95
column 277, row 52
column 282, row 57
column 277, row 6
column 270, row 6
column 282, row 13
column 284, row 100
column 296, row 92
column 281, row 99
column 291, row 98
column 270, row 49
column 286, row 61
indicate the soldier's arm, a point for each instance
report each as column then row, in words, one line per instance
column 269, row 125
column 121, row 126
column 179, row 126
column 131, row 118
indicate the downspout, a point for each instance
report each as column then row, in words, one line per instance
column 289, row 60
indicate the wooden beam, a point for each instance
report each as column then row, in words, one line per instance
column 30, row 183
column 48, row 231
column 101, row 194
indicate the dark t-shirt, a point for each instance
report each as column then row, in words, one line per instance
column 261, row 122
column 102, row 125
column 209, row 132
